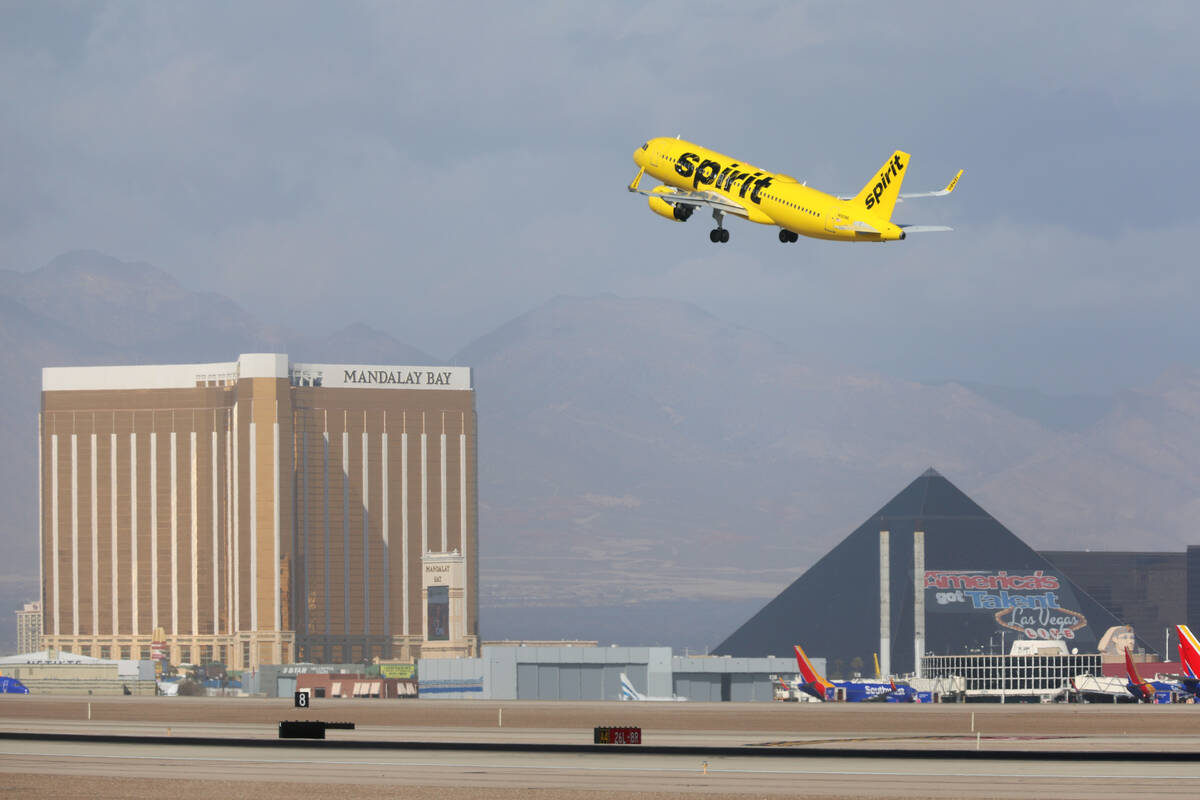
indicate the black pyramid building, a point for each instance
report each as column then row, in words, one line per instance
column 983, row 587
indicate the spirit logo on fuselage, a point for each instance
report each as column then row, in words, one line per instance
column 710, row 173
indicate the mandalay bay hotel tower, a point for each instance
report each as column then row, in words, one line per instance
column 259, row 511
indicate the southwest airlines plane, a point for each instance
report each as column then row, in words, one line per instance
column 854, row 691
column 694, row 177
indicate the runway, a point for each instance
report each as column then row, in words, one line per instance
column 362, row 763
column 269, row 771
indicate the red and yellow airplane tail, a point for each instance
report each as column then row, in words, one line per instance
column 878, row 197
column 1189, row 651
column 810, row 674
column 1131, row 670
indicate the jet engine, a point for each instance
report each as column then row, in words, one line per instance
column 675, row 211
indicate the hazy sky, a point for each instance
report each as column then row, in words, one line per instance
column 435, row 169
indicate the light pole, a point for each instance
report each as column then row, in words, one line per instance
column 1003, row 669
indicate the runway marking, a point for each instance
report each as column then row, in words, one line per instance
column 884, row 738
column 581, row 768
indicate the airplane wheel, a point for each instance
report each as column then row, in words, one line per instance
column 714, row 236
column 783, row 236
column 724, row 235
column 795, row 237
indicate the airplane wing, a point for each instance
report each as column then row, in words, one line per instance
column 707, row 199
column 910, row 195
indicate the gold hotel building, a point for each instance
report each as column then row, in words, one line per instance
column 259, row 511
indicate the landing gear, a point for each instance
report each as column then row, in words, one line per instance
column 787, row 236
column 718, row 234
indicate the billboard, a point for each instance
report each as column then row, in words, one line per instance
column 401, row 671
column 1030, row 604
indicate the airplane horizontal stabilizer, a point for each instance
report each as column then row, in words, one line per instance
column 925, row 228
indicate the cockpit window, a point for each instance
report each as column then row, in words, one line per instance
column 646, row 146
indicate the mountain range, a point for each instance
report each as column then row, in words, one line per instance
column 648, row 473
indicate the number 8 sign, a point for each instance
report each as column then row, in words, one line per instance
column 302, row 699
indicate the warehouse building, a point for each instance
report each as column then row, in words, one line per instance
column 594, row 673
column 259, row 511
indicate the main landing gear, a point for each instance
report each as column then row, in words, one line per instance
column 718, row 234
column 787, row 236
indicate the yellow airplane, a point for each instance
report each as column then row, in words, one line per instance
column 694, row 176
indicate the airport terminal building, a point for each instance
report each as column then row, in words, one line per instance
column 259, row 511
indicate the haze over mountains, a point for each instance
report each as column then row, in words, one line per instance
column 648, row 473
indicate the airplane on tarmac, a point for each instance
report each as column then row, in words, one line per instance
column 12, row 686
column 1189, row 656
column 630, row 693
column 695, row 177
column 1157, row 691
column 856, row 691
column 1187, row 684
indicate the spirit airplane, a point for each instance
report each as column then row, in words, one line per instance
column 694, row 176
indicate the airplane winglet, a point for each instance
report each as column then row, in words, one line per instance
column 633, row 187
column 953, row 182
column 939, row 193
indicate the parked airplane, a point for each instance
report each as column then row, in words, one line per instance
column 695, row 177
column 1158, row 691
column 855, row 691
column 1188, row 683
column 12, row 686
column 1189, row 656
column 630, row 693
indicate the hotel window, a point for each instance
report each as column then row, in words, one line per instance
column 438, row 628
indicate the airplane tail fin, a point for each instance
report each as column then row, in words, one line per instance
column 627, row 690
column 878, row 197
column 1143, row 688
column 1130, row 669
column 809, row 672
column 1189, row 651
